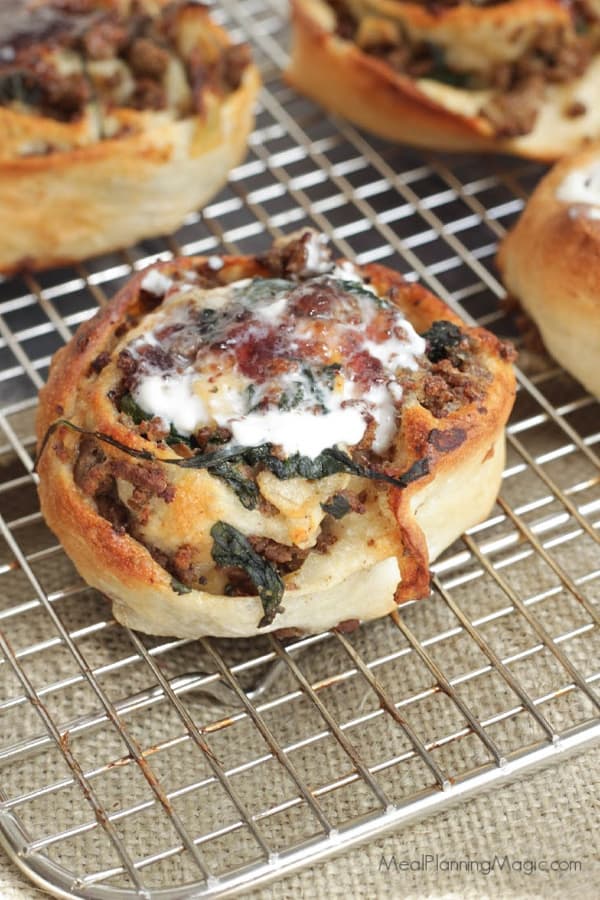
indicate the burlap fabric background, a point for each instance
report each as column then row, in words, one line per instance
column 552, row 814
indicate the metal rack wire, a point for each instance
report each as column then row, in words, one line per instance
column 138, row 766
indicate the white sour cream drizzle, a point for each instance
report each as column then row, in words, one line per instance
column 215, row 392
column 582, row 186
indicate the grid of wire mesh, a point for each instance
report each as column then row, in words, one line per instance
column 139, row 766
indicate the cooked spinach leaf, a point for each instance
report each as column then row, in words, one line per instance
column 329, row 462
column 329, row 372
column 357, row 287
column 232, row 548
column 440, row 70
column 315, row 387
column 179, row 587
column 441, row 338
column 292, row 398
column 244, row 488
column 175, row 438
column 207, row 321
column 135, row 412
column 337, row 506
column 265, row 288
column 129, row 406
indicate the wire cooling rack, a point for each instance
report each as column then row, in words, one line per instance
column 131, row 765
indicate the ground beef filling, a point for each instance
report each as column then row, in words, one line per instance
column 96, row 475
column 557, row 55
column 34, row 41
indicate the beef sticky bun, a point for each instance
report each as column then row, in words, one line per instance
column 550, row 263
column 240, row 444
column 518, row 76
column 117, row 118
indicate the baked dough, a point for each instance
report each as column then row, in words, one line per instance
column 375, row 416
column 550, row 262
column 118, row 118
column 517, row 76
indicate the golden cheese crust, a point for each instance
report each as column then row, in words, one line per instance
column 550, row 262
column 106, row 145
column 552, row 110
column 374, row 557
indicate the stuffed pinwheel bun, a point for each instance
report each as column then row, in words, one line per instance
column 117, row 119
column 515, row 76
column 244, row 444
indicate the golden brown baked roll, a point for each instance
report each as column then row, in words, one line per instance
column 117, row 119
column 238, row 444
column 517, row 76
column 550, row 262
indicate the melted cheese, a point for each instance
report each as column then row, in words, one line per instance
column 155, row 282
column 317, row 254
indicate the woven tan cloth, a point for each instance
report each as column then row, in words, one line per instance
column 551, row 814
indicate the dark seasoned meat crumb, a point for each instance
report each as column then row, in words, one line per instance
column 447, row 388
column 65, row 95
column 515, row 113
column 149, row 479
column 210, row 435
column 234, row 62
column 148, row 95
column 345, row 22
column 100, row 362
column 356, row 502
column 126, row 363
column 289, row 256
column 147, row 59
column 157, row 555
column 110, row 508
column 156, row 357
column 238, row 584
column 286, row 558
column 181, row 565
column 92, row 474
column 326, row 538
column 436, row 396
column 97, row 477
column 104, row 40
column 575, row 109
column 155, row 429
